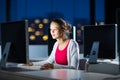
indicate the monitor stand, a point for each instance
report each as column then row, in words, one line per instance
column 5, row 55
column 94, row 53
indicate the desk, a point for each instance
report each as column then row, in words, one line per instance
column 102, row 67
column 69, row 74
column 5, row 75
column 62, row 74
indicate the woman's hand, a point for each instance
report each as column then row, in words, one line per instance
column 29, row 64
column 47, row 66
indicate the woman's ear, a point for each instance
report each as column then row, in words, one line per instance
column 63, row 31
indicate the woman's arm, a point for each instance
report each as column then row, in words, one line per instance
column 50, row 59
column 74, row 54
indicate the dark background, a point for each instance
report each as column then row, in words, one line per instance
column 77, row 12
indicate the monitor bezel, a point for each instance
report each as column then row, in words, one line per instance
column 86, row 54
column 23, row 24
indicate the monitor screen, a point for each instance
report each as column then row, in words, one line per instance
column 118, row 32
column 105, row 35
column 118, row 23
column 14, row 38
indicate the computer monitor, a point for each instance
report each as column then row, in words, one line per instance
column 15, row 41
column 100, row 41
column 118, row 31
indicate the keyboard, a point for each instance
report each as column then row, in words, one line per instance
column 16, row 69
column 21, row 68
column 29, row 67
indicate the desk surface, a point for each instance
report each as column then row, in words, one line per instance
column 70, row 74
column 61, row 74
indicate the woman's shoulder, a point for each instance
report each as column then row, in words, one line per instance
column 73, row 41
column 55, row 44
column 73, row 44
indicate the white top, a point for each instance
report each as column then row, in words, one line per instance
column 72, row 56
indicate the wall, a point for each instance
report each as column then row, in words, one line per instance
column 67, row 9
column 71, row 10
column 2, row 10
column 37, row 51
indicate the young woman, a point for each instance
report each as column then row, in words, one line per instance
column 65, row 53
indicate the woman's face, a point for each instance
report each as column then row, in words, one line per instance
column 55, row 30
